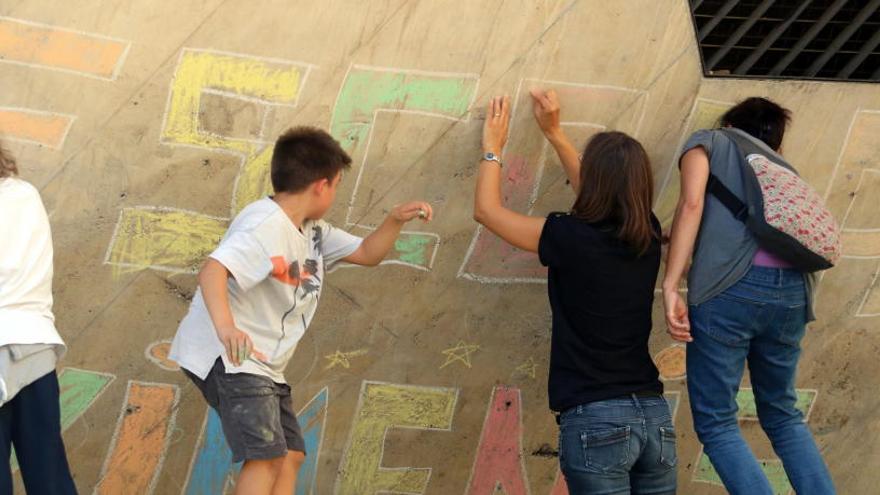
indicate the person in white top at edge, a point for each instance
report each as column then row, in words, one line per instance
column 257, row 294
column 30, row 347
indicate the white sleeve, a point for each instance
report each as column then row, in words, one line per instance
column 337, row 244
column 244, row 256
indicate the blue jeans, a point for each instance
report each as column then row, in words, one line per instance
column 31, row 422
column 760, row 319
column 618, row 446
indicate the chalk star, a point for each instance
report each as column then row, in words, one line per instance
column 461, row 352
column 528, row 368
column 342, row 358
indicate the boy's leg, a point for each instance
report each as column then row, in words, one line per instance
column 258, row 476
column 252, row 417
column 285, row 483
column 296, row 445
column 36, row 434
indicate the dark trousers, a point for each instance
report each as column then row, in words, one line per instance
column 31, row 422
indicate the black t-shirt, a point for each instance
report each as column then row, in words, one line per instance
column 601, row 294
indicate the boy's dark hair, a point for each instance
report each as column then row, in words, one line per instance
column 760, row 118
column 303, row 155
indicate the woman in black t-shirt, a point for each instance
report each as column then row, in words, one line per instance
column 616, row 431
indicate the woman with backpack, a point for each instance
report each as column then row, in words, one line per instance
column 748, row 301
column 616, row 433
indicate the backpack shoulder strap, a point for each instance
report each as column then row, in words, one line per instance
column 737, row 207
column 748, row 145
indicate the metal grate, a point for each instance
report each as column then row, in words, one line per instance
column 794, row 39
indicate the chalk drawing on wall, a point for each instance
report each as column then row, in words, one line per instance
column 177, row 240
column 78, row 391
column 157, row 353
column 368, row 93
column 381, row 407
column 460, row 352
column 673, row 398
column 670, row 362
column 529, row 368
column 745, row 400
column 772, row 468
column 860, row 228
column 559, row 486
column 411, row 249
column 313, row 421
column 29, row 126
column 705, row 114
column 589, row 108
column 212, row 471
column 140, row 441
column 343, row 359
column 43, row 46
column 499, row 464
column 164, row 239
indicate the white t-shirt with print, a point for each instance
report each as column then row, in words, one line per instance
column 278, row 272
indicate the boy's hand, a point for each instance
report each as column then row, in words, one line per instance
column 414, row 209
column 495, row 127
column 239, row 346
column 545, row 106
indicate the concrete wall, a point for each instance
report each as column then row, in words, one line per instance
column 145, row 124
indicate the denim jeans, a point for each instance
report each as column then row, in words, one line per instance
column 31, row 422
column 618, row 446
column 760, row 319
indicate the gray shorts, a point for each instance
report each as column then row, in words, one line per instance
column 256, row 413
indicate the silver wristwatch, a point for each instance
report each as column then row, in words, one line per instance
column 492, row 157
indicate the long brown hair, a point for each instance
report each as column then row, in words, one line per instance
column 617, row 186
column 7, row 164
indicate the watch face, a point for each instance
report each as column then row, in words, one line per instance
column 490, row 156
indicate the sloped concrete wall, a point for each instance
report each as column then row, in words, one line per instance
column 146, row 124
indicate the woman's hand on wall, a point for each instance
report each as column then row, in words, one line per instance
column 545, row 106
column 496, row 126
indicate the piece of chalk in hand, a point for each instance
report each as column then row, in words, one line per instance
column 422, row 213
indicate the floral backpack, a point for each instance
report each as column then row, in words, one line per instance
column 786, row 216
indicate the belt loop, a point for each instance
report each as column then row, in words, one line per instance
column 636, row 403
column 580, row 409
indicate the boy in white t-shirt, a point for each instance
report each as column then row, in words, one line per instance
column 257, row 294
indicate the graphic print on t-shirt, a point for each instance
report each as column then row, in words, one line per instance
column 305, row 280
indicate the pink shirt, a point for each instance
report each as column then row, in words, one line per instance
column 768, row 260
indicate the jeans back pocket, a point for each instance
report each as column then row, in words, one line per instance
column 606, row 449
column 668, row 456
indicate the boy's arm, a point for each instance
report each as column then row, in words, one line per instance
column 515, row 228
column 545, row 106
column 212, row 280
column 376, row 246
column 685, row 226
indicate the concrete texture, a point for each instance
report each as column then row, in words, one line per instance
column 145, row 126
